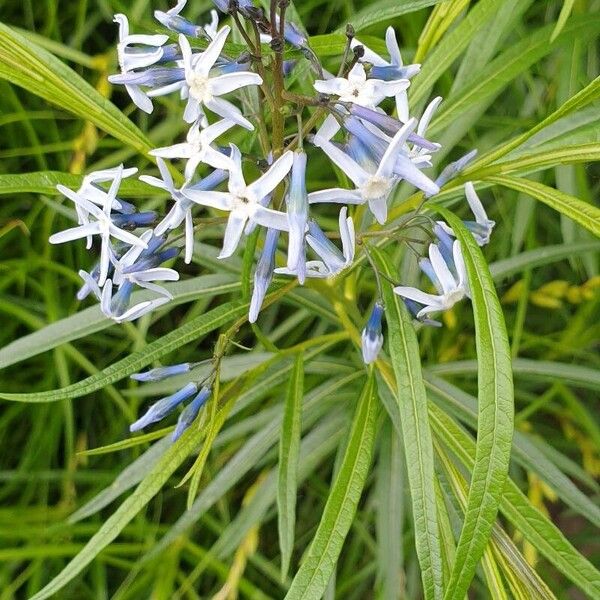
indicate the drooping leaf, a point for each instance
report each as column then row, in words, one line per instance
column 35, row 69
column 171, row 341
column 91, row 320
column 581, row 212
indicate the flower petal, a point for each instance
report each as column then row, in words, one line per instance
column 233, row 233
column 346, row 164
column 210, row 56
column 223, row 84
column 265, row 184
column 227, row 110
column 336, row 195
column 392, row 45
column 75, row 233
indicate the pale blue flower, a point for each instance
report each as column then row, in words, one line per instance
column 197, row 148
column 393, row 69
column 181, row 211
column 164, row 407
column 448, row 275
column 355, row 88
column 243, row 201
column 373, row 148
column 147, row 50
column 371, row 337
column 190, row 412
column 100, row 223
column 373, row 187
column 202, row 89
column 263, row 274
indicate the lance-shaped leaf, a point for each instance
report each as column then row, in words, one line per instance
column 313, row 576
column 495, row 414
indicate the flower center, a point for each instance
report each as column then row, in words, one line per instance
column 241, row 202
column 454, row 296
column 376, row 187
column 200, row 88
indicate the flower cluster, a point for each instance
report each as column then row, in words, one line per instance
column 374, row 150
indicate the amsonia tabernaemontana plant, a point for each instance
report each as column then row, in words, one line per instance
column 321, row 271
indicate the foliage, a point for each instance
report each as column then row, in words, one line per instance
column 309, row 474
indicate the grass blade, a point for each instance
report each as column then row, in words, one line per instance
column 113, row 526
column 313, row 576
column 376, row 12
column 45, row 182
column 289, row 447
column 565, row 11
column 495, row 417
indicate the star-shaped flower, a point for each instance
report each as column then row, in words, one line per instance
column 147, row 50
column 244, row 201
column 102, row 226
column 202, row 89
column 357, row 89
column 392, row 69
column 182, row 209
column 448, row 274
column 197, row 149
column 373, row 187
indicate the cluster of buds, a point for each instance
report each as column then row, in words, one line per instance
column 376, row 150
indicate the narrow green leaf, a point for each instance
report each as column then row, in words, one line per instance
column 540, row 370
column 535, row 526
column 495, row 417
column 450, row 48
column 416, row 434
column 390, row 512
column 175, row 339
column 27, row 65
column 385, row 10
column 313, row 576
column 130, row 476
column 91, row 320
column 578, row 101
column 565, row 11
column 289, row 447
column 502, row 70
column 45, row 182
column 543, row 159
column 540, row 256
column 581, row 212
